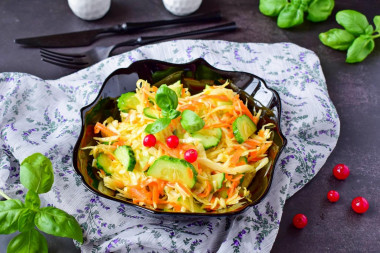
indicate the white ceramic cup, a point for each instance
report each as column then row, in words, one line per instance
column 182, row 7
column 90, row 9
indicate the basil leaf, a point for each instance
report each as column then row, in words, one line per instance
column 166, row 98
column 191, row 122
column 290, row 16
column 32, row 200
column 30, row 241
column 57, row 222
column 36, row 173
column 26, row 220
column 376, row 21
column 353, row 21
column 157, row 126
column 360, row 49
column 271, row 7
column 173, row 114
column 10, row 211
column 369, row 30
column 320, row 10
column 337, row 38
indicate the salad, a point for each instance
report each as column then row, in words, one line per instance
column 179, row 152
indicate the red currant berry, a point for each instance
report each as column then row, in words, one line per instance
column 191, row 155
column 172, row 141
column 300, row 221
column 341, row 171
column 333, row 196
column 359, row 205
column 149, row 140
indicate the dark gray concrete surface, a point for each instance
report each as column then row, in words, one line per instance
column 354, row 89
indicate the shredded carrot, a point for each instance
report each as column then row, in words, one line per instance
column 240, row 163
column 106, row 132
column 119, row 184
column 207, row 191
column 255, row 120
column 118, row 143
column 190, row 173
column 232, row 188
column 184, row 188
column 219, row 97
column 237, row 178
column 183, row 91
column 217, row 125
column 236, row 156
column 171, row 152
column 146, row 167
column 112, row 157
column 246, row 111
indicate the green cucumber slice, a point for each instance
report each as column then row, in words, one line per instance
column 103, row 162
column 173, row 170
column 151, row 113
column 177, row 88
column 218, row 179
column 127, row 101
column 243, row 159
column 209, row 138
column 126, row 156
column 243, row 127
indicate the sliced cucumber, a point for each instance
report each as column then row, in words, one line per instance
column 127, row 101
column 177, row 88
column 173, row 170
column 243, row 159
column 217, row 180
column 126, row 156
column 151, row 113
column 103, row 162
column 220, row 103
column 243, row 127
column 209, row 138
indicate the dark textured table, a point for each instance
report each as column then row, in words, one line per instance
column 354, row 89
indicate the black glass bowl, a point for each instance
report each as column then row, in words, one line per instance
column 248, row 86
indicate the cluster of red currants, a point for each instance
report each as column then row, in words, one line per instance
column 358, row 204
column 172, row 141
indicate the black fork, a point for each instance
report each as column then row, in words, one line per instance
column 92, row 56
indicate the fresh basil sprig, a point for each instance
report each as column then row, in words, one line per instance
column 357, row 36
column 291, row 13
column 167, row 100
column 36, row 174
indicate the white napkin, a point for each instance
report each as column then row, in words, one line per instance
column 43, row 116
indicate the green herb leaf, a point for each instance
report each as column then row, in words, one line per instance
column 376, row 21
column 337, row 38
column 166, row 98
column 352, row 21
column 172, row 114
column 290, row 16
column 360, row 49
column 36, row 173
column 32, row 200
column 320, row 10
column 30, row 241
column 56, row 222
column 191, row 122
column 10, row 211
column 157, row 126
column 271, row 7
column 26, row 220
column 369, row 30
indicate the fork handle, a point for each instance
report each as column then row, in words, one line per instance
column 137, row 26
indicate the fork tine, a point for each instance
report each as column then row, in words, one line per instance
column 57, row 57
column 62, row 60
column 70, row 66
column 61, row 54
